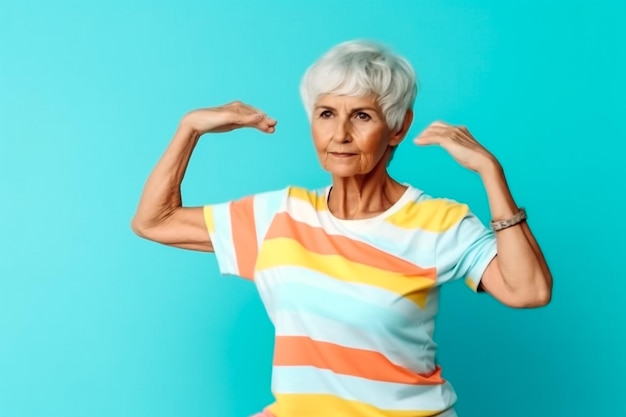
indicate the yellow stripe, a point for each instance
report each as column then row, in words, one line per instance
column 471, row 283
column 316, row 405
column 288, row 252
column 208, row 219
column 437, row 215
column 311, row 197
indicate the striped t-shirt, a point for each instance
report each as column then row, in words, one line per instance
column 353, row 302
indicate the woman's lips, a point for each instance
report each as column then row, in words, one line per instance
column 342, row 154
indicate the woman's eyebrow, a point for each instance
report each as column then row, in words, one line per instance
column 356, row 109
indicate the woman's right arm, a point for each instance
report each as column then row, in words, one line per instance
column 160, row 215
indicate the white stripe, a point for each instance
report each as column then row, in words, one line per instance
column 303, row 212
column 351, row 314
column 268, row 278
column 417, row 356
column 222, row 240
column 265, row 206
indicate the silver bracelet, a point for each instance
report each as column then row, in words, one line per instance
column 519, row 217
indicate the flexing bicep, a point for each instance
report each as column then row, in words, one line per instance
column 185, row 228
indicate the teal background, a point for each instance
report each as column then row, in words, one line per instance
column 97, row 322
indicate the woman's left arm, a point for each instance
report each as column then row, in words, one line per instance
column 519, row 275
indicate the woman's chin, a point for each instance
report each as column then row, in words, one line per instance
column 342, row 172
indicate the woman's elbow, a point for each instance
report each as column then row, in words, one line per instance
column 544, row 293
column 535, row 299
column 540, row 300
column 138, row 227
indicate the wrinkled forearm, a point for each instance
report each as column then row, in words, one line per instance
column 522, row 264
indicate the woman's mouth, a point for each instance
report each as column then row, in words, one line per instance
column 342, row 154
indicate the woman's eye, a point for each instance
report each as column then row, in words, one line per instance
column 363, row 116
column 325, row 114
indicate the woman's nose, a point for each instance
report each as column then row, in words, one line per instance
column 342, row 131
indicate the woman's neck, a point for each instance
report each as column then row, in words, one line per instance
column 363, row 196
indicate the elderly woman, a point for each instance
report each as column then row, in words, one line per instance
column 350, row 273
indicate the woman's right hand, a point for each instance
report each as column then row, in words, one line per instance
column 228, row 117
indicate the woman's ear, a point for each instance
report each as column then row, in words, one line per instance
column 398, row 135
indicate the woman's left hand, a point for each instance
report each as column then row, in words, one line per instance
column 460, row 144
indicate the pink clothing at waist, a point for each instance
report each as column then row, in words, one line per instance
column 263, row 413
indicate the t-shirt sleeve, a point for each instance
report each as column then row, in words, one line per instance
column 237, row 229
column 464, row 247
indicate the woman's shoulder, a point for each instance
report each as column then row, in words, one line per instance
column 424, row 208
column 421, row 196
column 315, row 197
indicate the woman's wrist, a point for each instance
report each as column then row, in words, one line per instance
column 188, row 126
column 491, row 168
column 501, row 202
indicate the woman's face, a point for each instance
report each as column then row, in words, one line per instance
column 350, row 134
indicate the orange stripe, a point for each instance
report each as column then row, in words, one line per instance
column 303, row 351
column 244, row 235
column 316, row 240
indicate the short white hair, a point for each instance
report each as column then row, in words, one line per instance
column 360, row 68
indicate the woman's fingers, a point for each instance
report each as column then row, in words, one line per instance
column 438, row 133
column 264, row 127
column 459, row 143
column 264, row 123
column 268, row 122
column 252, row 117
column 427, row 139
column 431, row 137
